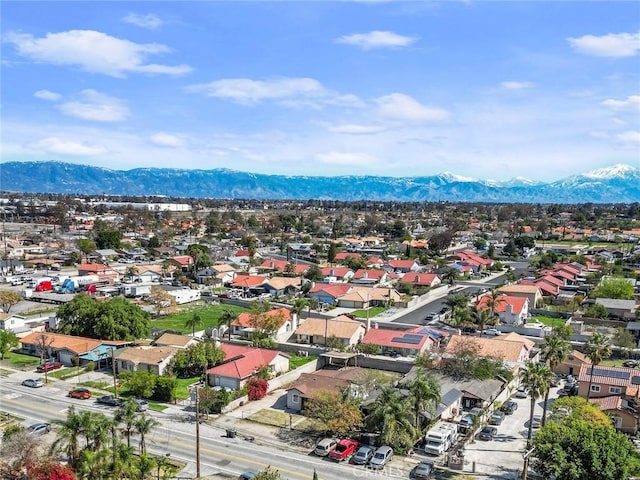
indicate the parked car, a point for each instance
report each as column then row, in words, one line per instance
column 381, row 457
column 496, row 417
column 142, row 405
column 110, row 400
column 432, row 316
column 363, row 455
column 492, row 332
column 33, row 383
column 246, row 476
column 521, row 392
column 39, row 428
column 487, row 433
column 344, row 449
column 48, row 366
column 468, row 330
column 509, row 407
column 325, row 446
column 81, row 393
column 422, row 470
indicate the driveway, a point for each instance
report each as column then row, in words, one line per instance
column 502, row 456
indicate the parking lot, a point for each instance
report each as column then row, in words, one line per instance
column 502, row 456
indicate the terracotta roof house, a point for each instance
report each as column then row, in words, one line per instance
column 572, row 364
column 308, row 385
column 65, row 347
column 365, row 297
column 374, row 262
column 607, row 380
column 242, row 326
column 105, row 273
column 150, row 359
column 241, row 363
column 337, row 274
column 510, row 310
column 344, row 256
column 370, row 277
column 272, row 265
column 421, row 279
column 513, row 350
column 472, row 258
column 401, row 266
column 532, row 292
column 623, row 410
column 183, row 262
column 248, row 281
column 175, row 340
column 329, row 293
column 406, row 343
column 342, row 329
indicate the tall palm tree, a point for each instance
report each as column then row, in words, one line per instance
column 597, row 349
column 92, row 464
column 481, row 316
column 126, row 416
column 68, row 436
column 228, row 317
column 391, row 416
column 123, row 461
column 554, row 351
column 450, row 276
column 193, row 322
column 458, row 303
column 143, row 425
column 425, row 395
column 493, row 300
column 536, row 377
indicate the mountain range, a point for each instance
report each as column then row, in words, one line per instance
column 616, row 184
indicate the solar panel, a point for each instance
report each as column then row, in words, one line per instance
column 408, row 338
column 431, row 333
column 635, row 380
column 603, row 372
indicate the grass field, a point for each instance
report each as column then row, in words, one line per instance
column 210, row 316
column 182, row 390
column 296, row 361
column 549, row 321
column 20, row 361
column 369, row 312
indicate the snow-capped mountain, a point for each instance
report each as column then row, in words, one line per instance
column 616, row 184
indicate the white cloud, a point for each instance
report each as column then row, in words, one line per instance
column 251, row 92
column 345, row 158
column 610, row 45
column 94, row 52
column 398, row 106
column 69, row 147
column 165, row 140
column 96, row 106
column 630, row 139
column 377, row 39
column 47, row 95
column 356, row 129
column 511, row 85
column 631, row 103
column 149, row 21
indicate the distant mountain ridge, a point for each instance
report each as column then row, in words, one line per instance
column 616, row 184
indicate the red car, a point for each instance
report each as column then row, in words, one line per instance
column 48, row 366
column 344, row 449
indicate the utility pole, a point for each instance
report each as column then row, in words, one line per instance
column 197, row 434
column 113, row 371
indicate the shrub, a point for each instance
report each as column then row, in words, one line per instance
column 257, row 388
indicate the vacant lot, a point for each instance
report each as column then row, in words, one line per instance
column 209, row 315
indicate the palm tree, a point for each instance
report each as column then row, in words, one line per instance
column 123, row 463
column 481, row 316
column 145, row 465
column 536, row 377
column 554, row 351
column 597, row 349
column 451, row 276
column 425, row 394
column 126, row 415
column 144, row 424
column 493, row 300
column 391, row 416
column 67, row 438
column 193, row 322
column 92, row 464
column 228, row 317
column 458, row 303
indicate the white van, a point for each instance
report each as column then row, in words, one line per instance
column 324, row 446
column 440, row 438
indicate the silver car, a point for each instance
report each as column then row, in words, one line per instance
column 33, row 383
column 39, row 428
column 381, row 457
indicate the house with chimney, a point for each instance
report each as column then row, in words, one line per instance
column 510, row 310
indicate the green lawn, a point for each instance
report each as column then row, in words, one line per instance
column 210, row 316
column 369, row 312
column 182, row 390
column 549, row 321
column 296, row 361
column 20, row 361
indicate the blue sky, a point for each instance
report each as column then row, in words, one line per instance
column 490, row 90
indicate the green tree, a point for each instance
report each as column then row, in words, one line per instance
column 596, row 310
column 195, row 359
column 268, row 474
column 581, row 445
column 228, row 317
column 165, row 389
column 194, row 321
column 8, row 340
column 126, row 417
column 614, row 287
column 425, row 395
column 108, row 238
column 340, row 415
column 554, row 351
column 144, row 424
column 8, row 299
column 450, row 276
column 624, row 339
column 332, row 252
column 87, row 246
column 313, row 273
column 391, row 416
column 597, row 349
column 140, row 383
column 68, row 436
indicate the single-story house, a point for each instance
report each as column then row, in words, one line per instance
column 572, row 364
column 329, row 293
column 175, row 340
column 336, row 274
column 365, row 297
column 511, row 348
column 401, row 266
column 407, row 343
column 309, row 385
column 244, row 325
column 370, row 276
column 420, row 279
column 242, row 363
column 622, row 309
column 147, row 358
column 278, row 286
column 320, row 331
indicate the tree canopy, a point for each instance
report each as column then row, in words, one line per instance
column 338, row 415
column 115, row 319
column 614, row 287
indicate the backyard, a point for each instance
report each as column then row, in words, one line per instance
column 209, row 315
column 549, row 321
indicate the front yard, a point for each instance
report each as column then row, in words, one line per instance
column 20, row 361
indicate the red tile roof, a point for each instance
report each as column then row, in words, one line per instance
column 517, row 303
column 369, row 273
column 402, row 263
column 341, row 256
column 242, row 362
column 335, row 290
column 248, row 281
column 244, row 319
column 419, row 278
column 604, row 375
column 335, row 271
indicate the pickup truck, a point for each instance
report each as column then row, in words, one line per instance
column 344, row 449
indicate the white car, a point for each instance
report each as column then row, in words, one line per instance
column 522, row 392
column 492, row 332
column 33, row 383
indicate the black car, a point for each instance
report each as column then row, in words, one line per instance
column 487, row 433
column 468, row 330
column 110, row 400
column 509, row 407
